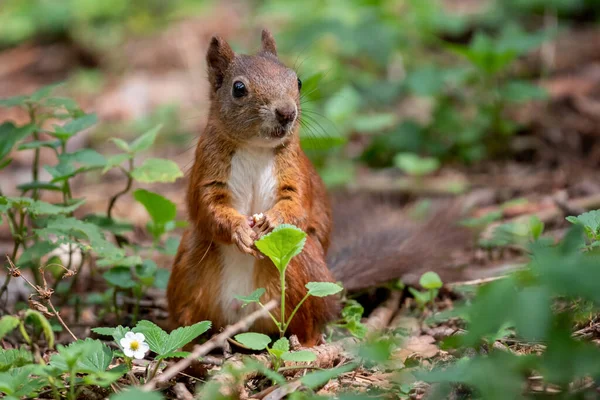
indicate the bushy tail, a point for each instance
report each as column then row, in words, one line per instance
column 376, row 240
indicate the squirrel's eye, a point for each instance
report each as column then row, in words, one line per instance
column 239, row 89
column 299, row 84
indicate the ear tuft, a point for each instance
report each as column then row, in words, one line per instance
column 268, row 42
column 218, row 58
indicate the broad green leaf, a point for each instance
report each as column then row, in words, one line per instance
column 282, row 244
column 162, row 343
column 280, row 347
column 522, row 91
column 81, row 123
column 56, row 102
column 38, row 144
column 161, row 210
column 162, row 278
column 7, row 324
column 61, row 229
column 13, row 101
column 115, row 161
column 146, row 272
column 120, row 277
column 426, row 80
column 136, row 394
column 19, row 382
column 35, row 252
column 90, row 355
column 341, row 106
column 10, row 135
column 299, row 356
column 117, row 333
column 172, row 245
column 157, row 170
column 13, row 358
column 415, row 165
column 43, row 92
column 309, row 141
column 121, row 144
column 430, row 280
column 374, row 123
column 145, row 141
column 105, row 378
column 44, row 324
column 316, row 379
column 71, row 164
column 254, row 341
column 589, row 220
column 322, row 289
column 253, row 297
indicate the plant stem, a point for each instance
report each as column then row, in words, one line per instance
column 271, row 315
column 294, row 312
column 113, row 200
column 36, row 158
column 18, row 241
column 155, row 370
column 282, row 325
column 72, row 376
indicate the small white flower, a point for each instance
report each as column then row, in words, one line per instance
column 134, row 346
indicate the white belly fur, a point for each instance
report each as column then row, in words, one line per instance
column 253, row 186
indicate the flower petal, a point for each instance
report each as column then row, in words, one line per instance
column 128, row 352
column 130, row 335
column 144, row 347
column 139, row 354
column 125, row 343
column 140, row 337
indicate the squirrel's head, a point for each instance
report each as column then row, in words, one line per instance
column 256, row 98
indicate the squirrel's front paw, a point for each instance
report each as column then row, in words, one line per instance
column 263, row 224
column 243, row 237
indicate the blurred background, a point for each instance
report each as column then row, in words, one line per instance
column 436, row 96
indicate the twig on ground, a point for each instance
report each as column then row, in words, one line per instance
column 382, row 315
column 476, row 282
column 213, row 343
column 182, row 392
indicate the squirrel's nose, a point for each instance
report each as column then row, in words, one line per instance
column 285, row 114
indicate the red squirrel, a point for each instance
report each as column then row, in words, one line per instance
column 248, row 161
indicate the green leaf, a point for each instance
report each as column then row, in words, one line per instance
column 316, row 379
column 341, row 106
column 161, row 210
column 61, row 229
column 90, row 355
column 157, row 170
column 105, row 378
column 121, row 144
column 115, row 161
column 415, row 165
column 57, row 102
column 14, row 358
column 44, row 324
column 322, row 289
column 162, row 343
column 13, row 101
column 162, row 278
column 589, row 220
column 427, row 80
column 117, row 333
column 43, row 92
column 430, row 280
column 120, row 277
column 254, row 341
column 136, row 394
column 373, row 123
column 38, row 144
column 146, row 272
column 299, row 356
column 522, row 91
column 281, row 346
column 7, row 324
column 145, row 141
column 71, row 164
column 172, row 245
column 81, row 123
column 10, row 135
column 39, row 186
column 19, row 382
column 282, row 244
column 253, row 297
column 319, row 143
column 35, row 252
column 174, row 354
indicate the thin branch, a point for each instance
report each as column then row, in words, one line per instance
column 214, row 342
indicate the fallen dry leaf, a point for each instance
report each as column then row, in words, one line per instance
column 422, row 346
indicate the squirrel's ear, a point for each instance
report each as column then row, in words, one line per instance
column 218, row 58
column 268, row 42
